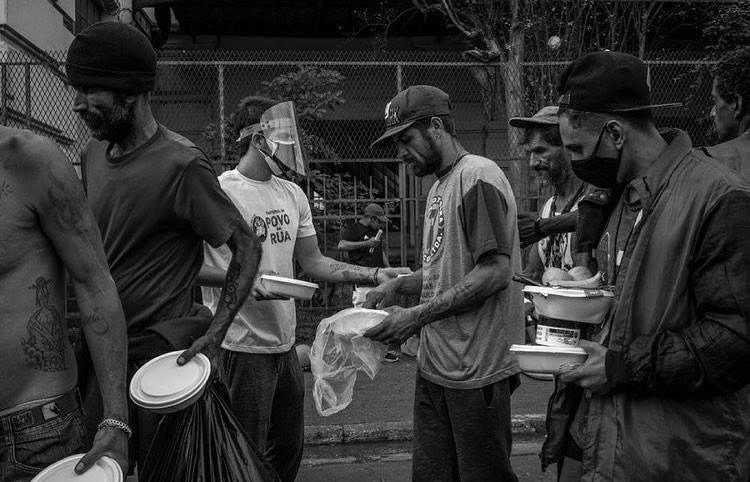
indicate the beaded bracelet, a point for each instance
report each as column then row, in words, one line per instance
column 116, row 424
column 375, row 276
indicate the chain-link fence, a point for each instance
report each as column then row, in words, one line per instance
column 198, row 90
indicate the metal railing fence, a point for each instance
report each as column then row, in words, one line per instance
column 198, row 90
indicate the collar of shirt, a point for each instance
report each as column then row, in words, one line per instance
column 648, row 187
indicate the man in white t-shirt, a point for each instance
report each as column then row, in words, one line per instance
column 262, row 370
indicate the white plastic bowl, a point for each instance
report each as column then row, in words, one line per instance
column 162, row 386
column 571, row 304
column 292, row 288
column 104, row 470
column 547, row 359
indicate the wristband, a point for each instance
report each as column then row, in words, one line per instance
column 375, row 276
column 116, row 424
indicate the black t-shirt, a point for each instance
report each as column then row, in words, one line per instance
column 362, row 256
column 154, row 207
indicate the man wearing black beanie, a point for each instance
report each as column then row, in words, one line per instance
column 155, row 198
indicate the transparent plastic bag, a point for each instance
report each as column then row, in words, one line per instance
column 339, row 352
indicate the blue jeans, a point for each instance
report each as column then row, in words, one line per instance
column 268, row 395
column 27, row 448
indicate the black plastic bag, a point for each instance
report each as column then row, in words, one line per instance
column 204, row 443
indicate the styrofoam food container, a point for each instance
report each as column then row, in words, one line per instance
column 572, row 304
column 104, row 470
column 293, row 288
column 163, row 386
column 547, row 359
column 355, row 321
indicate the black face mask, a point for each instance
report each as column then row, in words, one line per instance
column 597, row 170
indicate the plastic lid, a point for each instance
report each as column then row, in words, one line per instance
column 104, row 470
column 570, row 350
column 291, row 281
column 568, row 292
column 163, row 383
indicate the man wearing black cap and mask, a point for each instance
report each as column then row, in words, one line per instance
column 666, row 382
column 155, row 198
column 469, row 311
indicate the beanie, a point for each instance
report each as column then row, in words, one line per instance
column 111, row 55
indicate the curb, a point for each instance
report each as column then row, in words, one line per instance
column 400, row 431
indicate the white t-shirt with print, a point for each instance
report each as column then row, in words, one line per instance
column 279, row 213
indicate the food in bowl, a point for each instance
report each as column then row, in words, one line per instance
column 551, row 275
column 547, row 359
column 572, row 304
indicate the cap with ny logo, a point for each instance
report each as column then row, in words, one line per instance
column 411, row 104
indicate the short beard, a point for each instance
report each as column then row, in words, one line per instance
column 113, row 126
column 431, row 159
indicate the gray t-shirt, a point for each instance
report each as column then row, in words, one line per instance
column 470, row 211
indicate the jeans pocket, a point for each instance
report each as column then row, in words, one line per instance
column 37, row 447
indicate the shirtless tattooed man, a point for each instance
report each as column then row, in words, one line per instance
column 46, row 228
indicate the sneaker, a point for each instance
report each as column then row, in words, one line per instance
column 391, row 357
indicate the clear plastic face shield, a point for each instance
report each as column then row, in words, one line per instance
column 283, row 152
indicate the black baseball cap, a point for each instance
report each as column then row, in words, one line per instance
column 607, row 82
column 411, row 104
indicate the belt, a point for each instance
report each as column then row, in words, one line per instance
column 59, row 407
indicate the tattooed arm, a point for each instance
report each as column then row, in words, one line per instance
column 246, row 252
column 64, row 217
column 323, row 268
column 490, row 275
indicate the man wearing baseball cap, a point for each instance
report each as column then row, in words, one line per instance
column 666, row 393
column 578, row 207
column 541, row 140
column 155, row 198
column 469, row 312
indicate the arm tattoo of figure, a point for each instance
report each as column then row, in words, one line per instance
column 97, row 324
column 229, row 295
column 45, row 346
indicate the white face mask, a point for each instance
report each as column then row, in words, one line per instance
column 272, row 163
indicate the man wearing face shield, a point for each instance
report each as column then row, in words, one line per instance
column 666, row 393
column 264, row 375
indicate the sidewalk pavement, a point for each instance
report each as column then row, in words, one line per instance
column 381, row 409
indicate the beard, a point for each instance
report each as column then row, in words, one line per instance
column 431, row 160
column 112, row 126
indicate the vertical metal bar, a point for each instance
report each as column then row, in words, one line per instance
column 399, row 78
column 27, row 82
column 221, row 112
column 5, row 94
column 402, row 199
column 385, row 195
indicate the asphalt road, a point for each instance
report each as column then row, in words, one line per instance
column 392, row 462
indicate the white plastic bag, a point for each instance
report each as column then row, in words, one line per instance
column 339, row 352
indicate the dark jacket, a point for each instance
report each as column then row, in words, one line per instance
column 677, row 404
column 735, row 154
